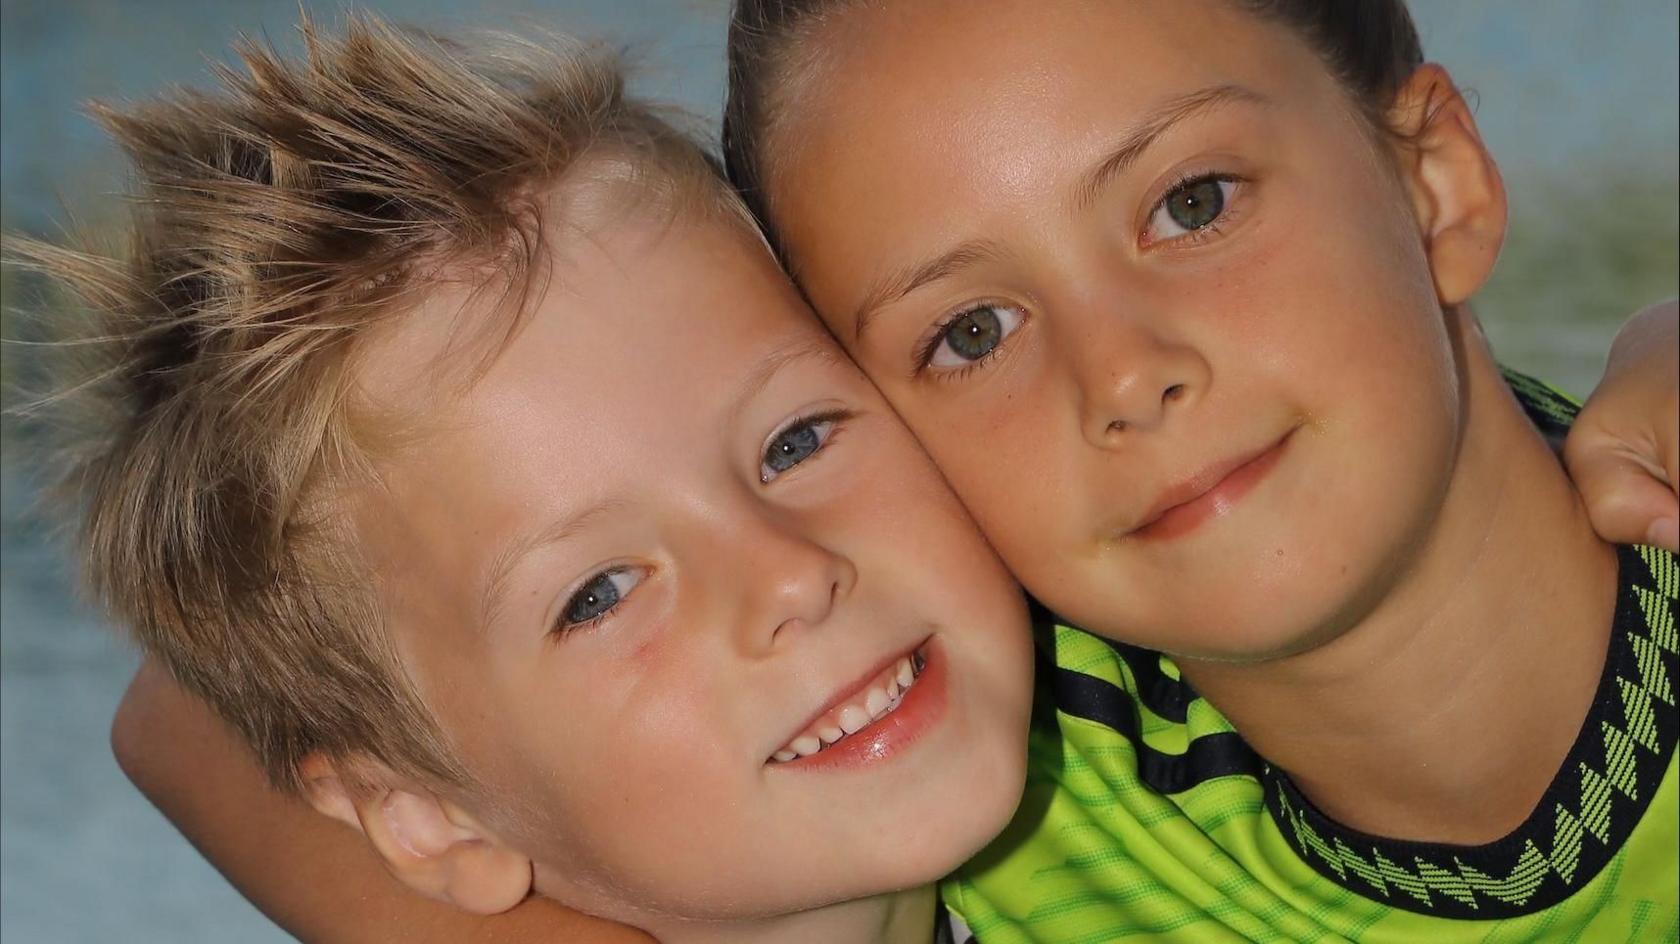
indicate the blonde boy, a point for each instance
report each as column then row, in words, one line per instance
column 465, row 450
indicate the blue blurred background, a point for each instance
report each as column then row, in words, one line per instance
column 1577, row 100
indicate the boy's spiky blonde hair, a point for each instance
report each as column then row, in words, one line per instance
column 273, row 223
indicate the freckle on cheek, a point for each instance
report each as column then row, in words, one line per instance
column 652, row 652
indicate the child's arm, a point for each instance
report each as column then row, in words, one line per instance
column 1624, row 449
column 312, row 876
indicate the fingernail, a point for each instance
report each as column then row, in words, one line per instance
column 1664, row 533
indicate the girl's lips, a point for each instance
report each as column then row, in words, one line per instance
column 1185, row 507
column 919, row 709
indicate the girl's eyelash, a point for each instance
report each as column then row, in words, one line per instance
column 936, row 337
column 955, row 374
column 1190, row 179
column 1198, row 236
column 928, row 346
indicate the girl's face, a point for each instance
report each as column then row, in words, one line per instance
column 1147, row 287
column 689, row 599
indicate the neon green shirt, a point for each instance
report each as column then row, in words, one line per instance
column 1147, row 818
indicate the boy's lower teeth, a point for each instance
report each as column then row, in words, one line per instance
column 852, row 720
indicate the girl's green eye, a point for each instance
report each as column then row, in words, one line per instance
column 1197, row 204
column 1188, row 207
column 973, row 335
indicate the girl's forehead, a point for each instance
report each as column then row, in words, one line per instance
column 937, row 136
column 907, row 88
column 1033, row 43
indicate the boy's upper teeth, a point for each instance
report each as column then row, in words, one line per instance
column 875, row 700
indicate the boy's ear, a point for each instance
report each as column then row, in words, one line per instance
column 1457, row 193
column 428, row 842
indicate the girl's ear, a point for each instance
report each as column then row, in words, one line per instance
column 428, row 842
column 1457, row 194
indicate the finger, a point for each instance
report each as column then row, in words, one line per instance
column 1670, row 448
column 1626, row 502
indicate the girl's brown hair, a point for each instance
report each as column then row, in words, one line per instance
column 273, row 223
column 1371, row 46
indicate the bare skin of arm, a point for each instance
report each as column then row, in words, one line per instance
column 314, row 877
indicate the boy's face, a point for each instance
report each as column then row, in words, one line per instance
column 1145, row 286
column 671, row 534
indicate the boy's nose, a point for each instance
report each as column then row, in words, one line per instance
column 1130, row 381
column 791, row 580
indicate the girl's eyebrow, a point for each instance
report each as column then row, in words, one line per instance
column 907, row 280
column 1137, row 139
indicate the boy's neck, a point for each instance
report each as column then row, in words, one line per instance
column 1444, row 713
column 904, row 917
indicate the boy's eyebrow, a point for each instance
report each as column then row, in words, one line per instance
column 1137, row 140
column 818, row 346
column 1131, row 146
column 501, row 567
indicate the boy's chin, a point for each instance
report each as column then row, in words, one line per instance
column 967, row 815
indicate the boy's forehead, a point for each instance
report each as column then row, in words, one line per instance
column 679, row 297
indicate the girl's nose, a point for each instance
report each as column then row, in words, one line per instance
column 1131, row 380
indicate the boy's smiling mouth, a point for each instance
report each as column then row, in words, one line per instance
column 857, row 710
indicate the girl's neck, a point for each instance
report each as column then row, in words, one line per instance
column 904, row 917
column 1444, row 712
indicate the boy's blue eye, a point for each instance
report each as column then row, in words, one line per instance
column 796, row 443
column 600, row 596
column 973, row 335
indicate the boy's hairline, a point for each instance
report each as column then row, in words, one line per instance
column 211, row 492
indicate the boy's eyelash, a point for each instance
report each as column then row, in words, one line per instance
column 562, row 629
column 559, row 629
column 836, row 416
column 839, row 416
